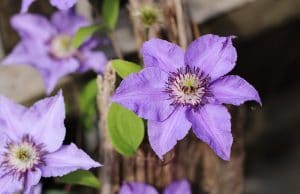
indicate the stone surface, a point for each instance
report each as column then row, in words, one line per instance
column 20, row 83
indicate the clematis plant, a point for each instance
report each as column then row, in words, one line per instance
column 47, row 46
column 177, row 91
column 31, row 145
column 177, row 187
column 60, row 4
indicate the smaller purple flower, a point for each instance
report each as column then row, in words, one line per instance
column 60, row 4
column 177, row 187
column 180, row 90
column 47, row 46
column 31, row 145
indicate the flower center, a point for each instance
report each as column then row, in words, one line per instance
column 22, row 156
column 187, row 87
column 61, row 46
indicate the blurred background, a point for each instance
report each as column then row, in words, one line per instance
column 268, row 45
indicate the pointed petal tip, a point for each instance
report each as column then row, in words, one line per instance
column 232, row 37
column 258, row 100
column 60, row 93
column 225, row 156
column 96, row 165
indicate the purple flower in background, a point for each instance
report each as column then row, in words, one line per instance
column 177, row 91
column 31, row 145
column 177, row 187
column 60, row 4
column 47, row 46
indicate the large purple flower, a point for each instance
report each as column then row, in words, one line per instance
column 47, row 46
column 177, row 91
column 60, row 4
column 31, row 145
column 177, row 187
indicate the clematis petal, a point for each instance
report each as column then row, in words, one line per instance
column 213, row 54
column 10, row 118
column 162, row 54
column 68, row 21
column 37, row 189
column 137, row 188
column 63, row 4
column 33, row 177
column 53, row 70
column 25, row 52
column 33, row 26
column 211, row 124
column 65, row 160
column 143, row 93
column 163, row 136
column 10, row 184
column 234, row 90
column 93, row 60
column 45, row 122
column 4, row 140
column 178, row 187
column 25, row 5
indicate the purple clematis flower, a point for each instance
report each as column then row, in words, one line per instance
column 60, row 4
column 31, row 145
column 177, row 187
column 47, row 46
column 177, row 91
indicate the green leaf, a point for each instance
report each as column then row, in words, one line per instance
column 84, row 33
column 110, row 12
column 88, row 104
column 126, row 130
column 124, row 68
column 80, row 177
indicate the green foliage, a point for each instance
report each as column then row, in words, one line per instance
column 110, row 13
column 84, row 33
column 88, row 104
column 126, row 130
column 80, row 177
column 124, row 68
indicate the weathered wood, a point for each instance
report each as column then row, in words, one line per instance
column 107, row 175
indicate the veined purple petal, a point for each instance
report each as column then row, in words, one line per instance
column 162, row 54
column 63, row 4
column 234, row 90
column 25, row 5
column 178, row 187
column 163, row 136
column 68, row 22
column 65, row 160
column 10, row 118
column 4, row 139
column 33, row 26
column 32, row 178
column 45, row 122
column 213, row 54
column 137, row 188
column 92, row 60
column 211, row 124
column 53, row 70
column 10, row 184
column 144, row 94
